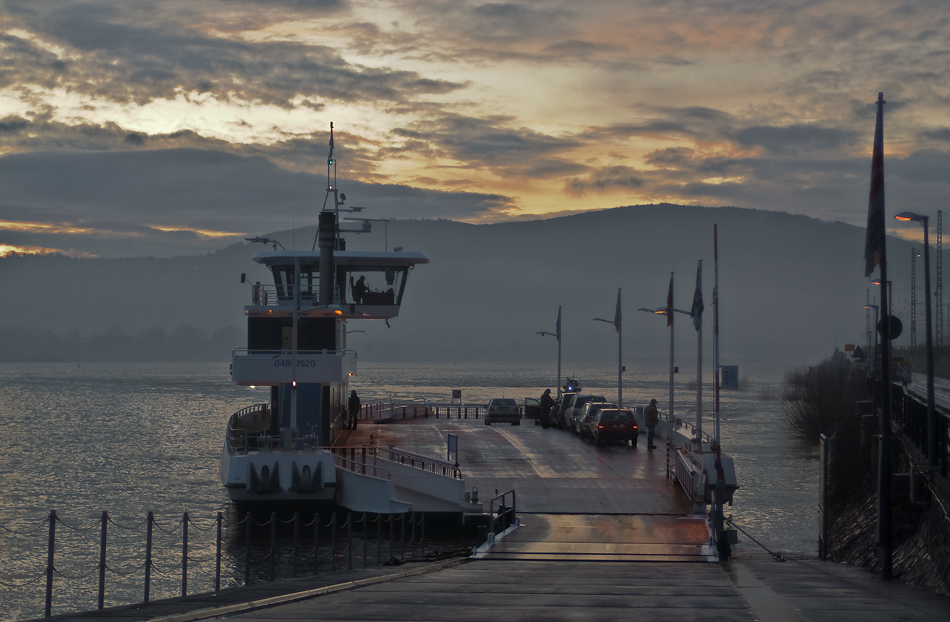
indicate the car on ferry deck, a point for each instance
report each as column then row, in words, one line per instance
column 502, row 410
column 570, row 417
column 588, row 411
column 612, row 425
column 560, row 407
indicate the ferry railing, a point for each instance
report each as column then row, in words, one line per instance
column 268, row 549
column 238, row 439
column 385, row 412
column 503, row 515
column 365, row 460
column 362, row 460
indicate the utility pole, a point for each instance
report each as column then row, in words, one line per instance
column 938, row 292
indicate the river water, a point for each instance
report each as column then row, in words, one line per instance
column 129, row 438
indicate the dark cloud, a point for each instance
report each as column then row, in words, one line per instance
column 159, row 202
column 487, row 142
column 609, row 178
column 132, row 60
column 794, row 139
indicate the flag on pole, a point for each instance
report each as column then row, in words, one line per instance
column 558, row 335
column 697, row 311
column 617, row 314
column 669, row 303
column 874, row 244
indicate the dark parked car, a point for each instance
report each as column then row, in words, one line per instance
column 571, row 416
column 560, row 407
column 588, row 411
column 611, row 425
column 502, row 410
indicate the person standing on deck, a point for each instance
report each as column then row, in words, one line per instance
column 354, row 408
column 651, row 418
column 547, row 402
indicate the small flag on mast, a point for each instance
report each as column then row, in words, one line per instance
column 697, row 311
column 669, row 303
column 617, row 314
column 874, row 244
column 559, row 323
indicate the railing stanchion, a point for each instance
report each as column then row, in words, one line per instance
column 247, row 549
column 102, row 558
column 333, row 543
column 273, row 546
column 51, row 547
column 365, row 534
column 217, row 558
column 349, row 541
column 184, row 555
column 296, row 542
column 150, row 522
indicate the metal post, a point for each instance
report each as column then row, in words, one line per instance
column 365, row 543
column 316, row 543
column 333, row 543
column 102, row 558
column 184, row 555
column 247, row 549
column 931, row 415
column 217, row 558
column 51, row 547
column 296, row 542
column 349, row 541
column 273, row 546
column 148, row 554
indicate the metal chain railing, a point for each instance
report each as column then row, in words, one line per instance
column 327, row 542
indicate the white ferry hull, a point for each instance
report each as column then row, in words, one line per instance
column 268, row 477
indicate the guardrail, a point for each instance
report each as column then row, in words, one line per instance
column 170, row 555
column 504, row 517
column 909, row 411
column 365, row 461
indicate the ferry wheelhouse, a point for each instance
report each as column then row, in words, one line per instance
column 277, row 451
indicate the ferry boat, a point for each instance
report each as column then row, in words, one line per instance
column 283, row 451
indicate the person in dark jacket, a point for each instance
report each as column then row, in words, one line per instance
column 354, row 410
column 547, row 402
column 651, row 419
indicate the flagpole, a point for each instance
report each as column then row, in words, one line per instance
column 619, row 322
column 698, row 323
column 716, row 323
column 669, row 320
column 875, row 254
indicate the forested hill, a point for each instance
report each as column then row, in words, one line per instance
column 792, row 288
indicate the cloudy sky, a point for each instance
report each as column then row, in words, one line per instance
column 173, row 126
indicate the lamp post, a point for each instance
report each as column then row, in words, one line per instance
column 618, row 324
column 890, row 297
column 874, row 359
column 668, row 312
column 931, row 417
column 556, row 335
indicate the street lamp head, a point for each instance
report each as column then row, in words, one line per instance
column 911, row 216
column 870, row 306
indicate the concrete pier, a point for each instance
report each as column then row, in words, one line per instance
column 603, row 536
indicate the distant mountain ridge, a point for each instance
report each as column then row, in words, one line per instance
column 792, row 288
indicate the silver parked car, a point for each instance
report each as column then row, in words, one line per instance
column 502, row 410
